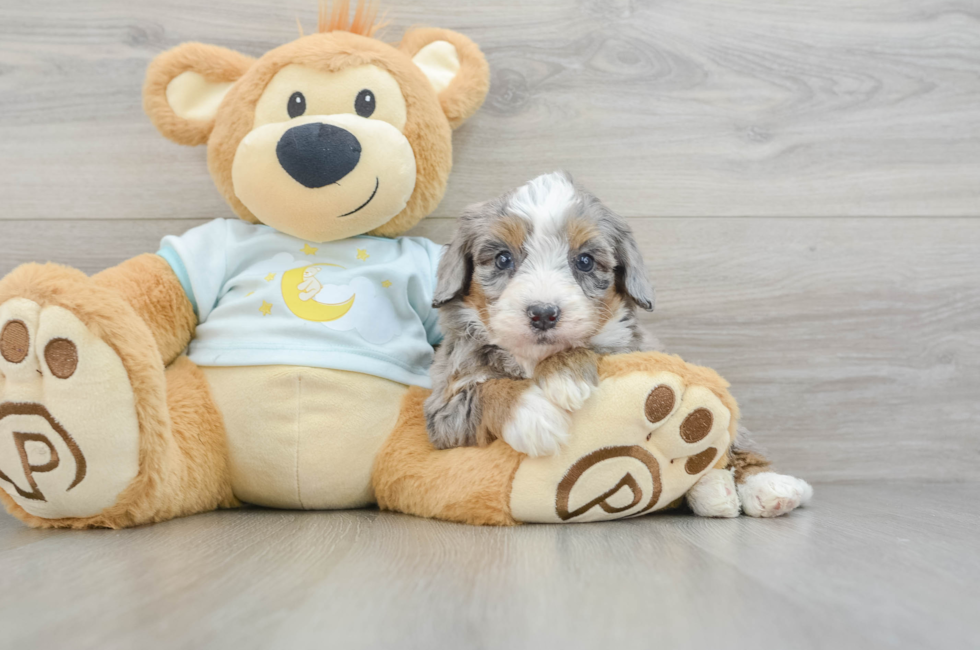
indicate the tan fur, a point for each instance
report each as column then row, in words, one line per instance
column 465, row 95
column 622, row 364
column 578, row 362
column 611, row 302
column 426, row 128
column 510, row 230
column 430, row 119
column 498, row 398
column 476, row 299
column 176, row 476
column 746, row 463
column 216, row 64
column 468, row 484
column 150, row 286
column 580, row 232
column 473, row 484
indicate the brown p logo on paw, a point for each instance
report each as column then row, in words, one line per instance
column 69, row 429
column 44, row 451
column 646, row 460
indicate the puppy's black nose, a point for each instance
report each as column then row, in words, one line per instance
column 317, row 155
column 543, row 317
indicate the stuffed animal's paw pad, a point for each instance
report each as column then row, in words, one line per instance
column 69, row 440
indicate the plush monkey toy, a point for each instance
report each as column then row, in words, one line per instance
column 281, row 358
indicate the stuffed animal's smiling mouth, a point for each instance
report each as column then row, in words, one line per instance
column 377, row 184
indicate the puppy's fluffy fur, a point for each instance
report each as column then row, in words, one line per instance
column 534, row 286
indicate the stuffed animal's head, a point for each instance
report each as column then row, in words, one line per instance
column 333, row 135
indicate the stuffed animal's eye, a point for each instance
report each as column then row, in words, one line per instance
column 585, row 263
column 504, row 261
column 365, row 103
column 296, row 105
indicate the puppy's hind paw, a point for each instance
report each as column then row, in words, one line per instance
column 536, row 427
column 770, row 495
column 714, row 495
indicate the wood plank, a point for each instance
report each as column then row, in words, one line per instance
column 699, row 108
column 853, row 346
column 886, row 565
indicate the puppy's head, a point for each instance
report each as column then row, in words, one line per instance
column 545, row 267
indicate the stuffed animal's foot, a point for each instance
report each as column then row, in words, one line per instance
column 69, row 432
column 651, row 429
column 88, row 414
column 770, row 495
column 715, row 495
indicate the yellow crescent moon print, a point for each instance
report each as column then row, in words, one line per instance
column 310, row 309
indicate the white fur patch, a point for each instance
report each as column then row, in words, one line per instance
column 565, row 392
column 546, row 198
column 770, row 495
column 714, row 495
column 536, row 427
column 544, row 277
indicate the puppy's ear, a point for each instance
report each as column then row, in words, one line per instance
column 185, row 86
column 631, row 272
column 455, row 269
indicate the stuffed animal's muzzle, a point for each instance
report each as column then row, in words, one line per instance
column 324, row 178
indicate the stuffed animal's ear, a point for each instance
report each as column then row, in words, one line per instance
column 456, row 68
column 185, row 86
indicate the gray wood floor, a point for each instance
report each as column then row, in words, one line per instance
column 804, row 180
column 867, row 566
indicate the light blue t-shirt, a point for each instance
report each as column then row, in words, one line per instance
column 265, row 298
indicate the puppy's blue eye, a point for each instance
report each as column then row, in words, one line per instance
column 296, row 105
column 504, row 261
column 585, row 263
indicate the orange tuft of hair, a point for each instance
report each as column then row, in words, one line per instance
column 335, row 17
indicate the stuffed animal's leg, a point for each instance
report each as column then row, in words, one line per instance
column 94, row 432
column 650, row 430
column 468, row 484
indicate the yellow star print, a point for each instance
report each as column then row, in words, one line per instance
column 386, row 284
column 270, row 277
column 309, row 250
column 266, row 308
column 249, row 294
column 362, row 254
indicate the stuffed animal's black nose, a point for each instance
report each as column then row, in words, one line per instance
column 543, row 317
column 317, row 155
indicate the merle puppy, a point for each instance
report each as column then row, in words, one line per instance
column 535, row 285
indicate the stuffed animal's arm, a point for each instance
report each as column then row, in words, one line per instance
column 148, row 284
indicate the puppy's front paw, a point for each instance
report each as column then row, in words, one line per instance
column 536, row 426
column 568, row 378
column 565, row 391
